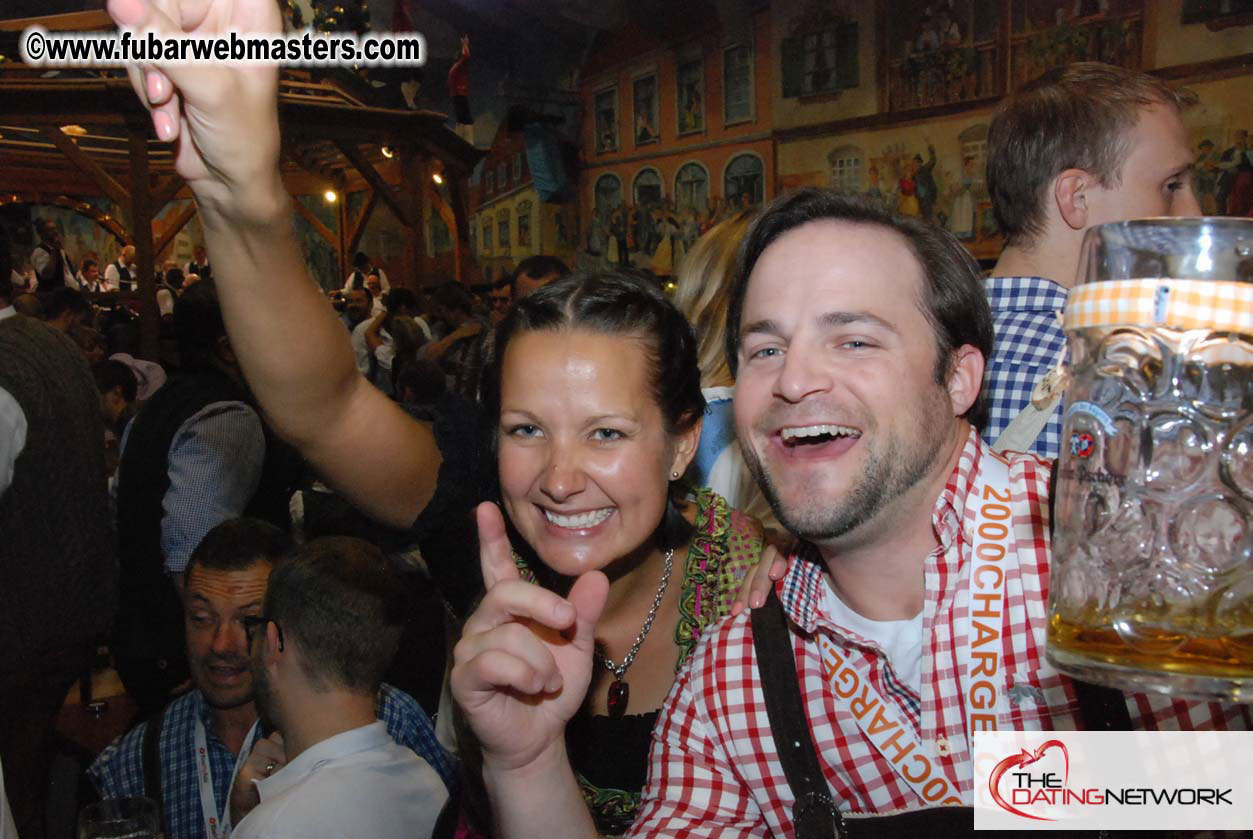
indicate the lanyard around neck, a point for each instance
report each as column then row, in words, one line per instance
column 208, row 799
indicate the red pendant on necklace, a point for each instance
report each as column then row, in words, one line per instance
column 619, row 694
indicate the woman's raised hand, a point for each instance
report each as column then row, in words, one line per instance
column 524, row 660
column 223, row 117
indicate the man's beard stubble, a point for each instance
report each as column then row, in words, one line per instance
column 887, row 474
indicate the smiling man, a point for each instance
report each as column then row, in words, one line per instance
column 188, row 755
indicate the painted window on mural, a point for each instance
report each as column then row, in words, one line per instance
column 647, row 189
column 821, row 58
column 847, row 169
column 744, row 183
column 607, row 120
column 690, row 79
column 607, row 226
column 691, row 188
column 524, row 224
column 487, row 236
column 489, row 182
column 737, row 84
column 517, row 167
column 502, row 228
column 644, row 108
column 608, row 192
column 502, row 176
column 473, row 238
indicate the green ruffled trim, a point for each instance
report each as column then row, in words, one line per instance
column 613, row 810
column 702, row 601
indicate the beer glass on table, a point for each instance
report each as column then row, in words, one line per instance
column 1152, row 562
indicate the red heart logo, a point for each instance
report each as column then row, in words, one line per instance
column 1025, row 758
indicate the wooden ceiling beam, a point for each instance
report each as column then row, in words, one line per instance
column 375, row 180
column 166, row 191
column 106, row 183
column 177, row 223
column 357, row 226
column 316, row 223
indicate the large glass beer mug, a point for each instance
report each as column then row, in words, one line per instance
column 1152, row 562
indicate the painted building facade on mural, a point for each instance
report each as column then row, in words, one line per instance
column 893, row 100
column 676, row 133
column 509, row 219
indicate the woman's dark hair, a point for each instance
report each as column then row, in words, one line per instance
column 617, row 303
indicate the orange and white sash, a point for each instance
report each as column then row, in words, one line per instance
column 983, row 683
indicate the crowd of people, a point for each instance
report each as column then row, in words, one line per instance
column 397, row 561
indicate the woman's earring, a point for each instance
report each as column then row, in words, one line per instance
column 674, row 476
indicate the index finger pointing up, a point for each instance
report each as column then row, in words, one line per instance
column 495, row 554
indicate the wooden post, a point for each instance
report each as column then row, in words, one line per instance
column 413, row 174
column 141, row 230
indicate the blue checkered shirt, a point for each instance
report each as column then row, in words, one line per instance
column 1029, row 340
column 119, row 772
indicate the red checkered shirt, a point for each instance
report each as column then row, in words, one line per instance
column 714, row 769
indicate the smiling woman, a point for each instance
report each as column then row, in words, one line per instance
column 596, row 393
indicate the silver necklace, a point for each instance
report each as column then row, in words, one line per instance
column 620, row 691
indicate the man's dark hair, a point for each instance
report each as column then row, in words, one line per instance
column 454, row 297
column 344, row 605
column 64, row 300
column 236, row 544
column 360, row 261
column 111, row 373
column 1073, row 117
column 398, row 298
column 44, row 224
column 953, row 299
column 87, row 262
column 539, row 265
column 198, row 325
column 424, row 379
column 621, row 303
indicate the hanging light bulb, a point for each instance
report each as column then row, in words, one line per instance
column 330, row 196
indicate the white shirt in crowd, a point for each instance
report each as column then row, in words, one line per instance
column 113, row 279
column 8, row 830
column 358, row 783
column 12, row 427
column 383, row 283
column 39, row 259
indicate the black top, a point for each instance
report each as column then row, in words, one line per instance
column 612, row 754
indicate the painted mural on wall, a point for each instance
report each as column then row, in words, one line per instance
column 942, row 52
column 904, row 171
column 1219, row 127
column 652, row 224
column 1050, row 33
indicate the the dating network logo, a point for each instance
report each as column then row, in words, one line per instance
column 1017, row 765
column 1036, row 785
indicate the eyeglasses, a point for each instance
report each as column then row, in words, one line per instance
column 254, row 622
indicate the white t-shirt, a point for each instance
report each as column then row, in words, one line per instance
column 900, row 640
column 12, row 427
column 358, row 783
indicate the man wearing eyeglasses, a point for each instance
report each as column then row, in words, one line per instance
column 332, row 622
column 188, row 755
